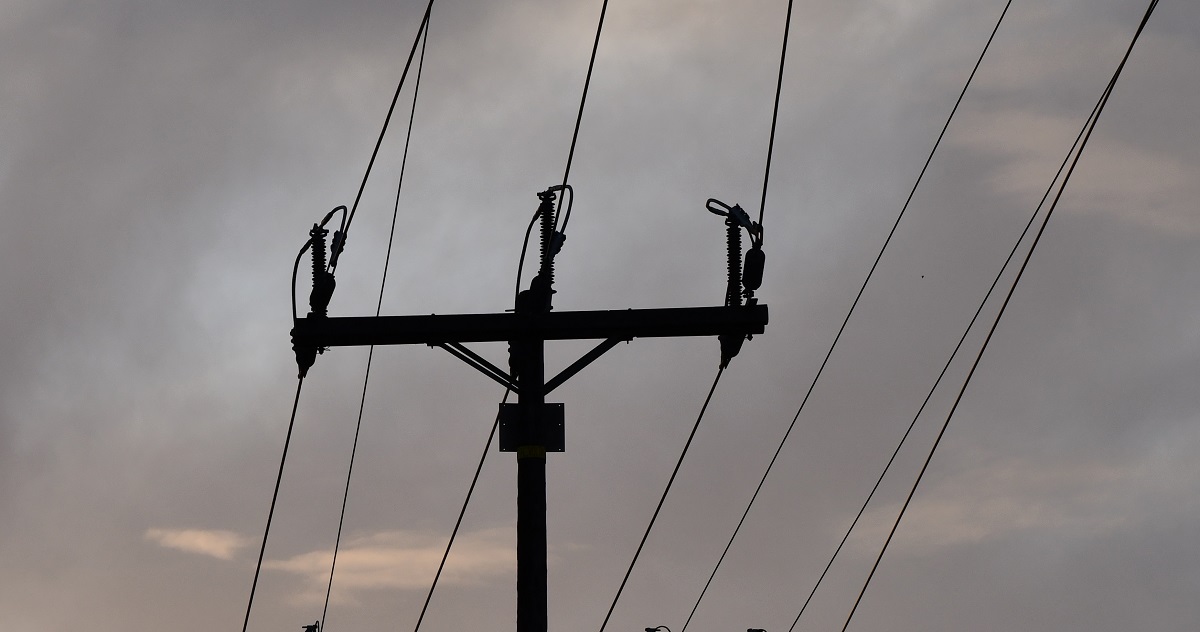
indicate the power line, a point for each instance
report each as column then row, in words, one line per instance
column 388, row 118
column 378, row 309
column 663, row 499
column 1089, row 126
column 274, row 497
column 937, row 382
column 587, row 82
column 787, row 27
column 566, row 175
column 458, row 523
column 495, row 424
column 846, row 320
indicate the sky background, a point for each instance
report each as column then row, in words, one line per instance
column 163, row 161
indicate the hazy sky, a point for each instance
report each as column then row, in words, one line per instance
column 163, row 161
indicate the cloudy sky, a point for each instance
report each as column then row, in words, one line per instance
column 162, row 163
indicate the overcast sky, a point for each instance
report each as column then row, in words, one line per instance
column 163, row 161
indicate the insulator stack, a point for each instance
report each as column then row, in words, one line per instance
column 733, row 242
column 323, row 282
column 319, row 252
column 546, row 210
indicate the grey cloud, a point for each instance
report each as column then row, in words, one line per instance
column 164, row 160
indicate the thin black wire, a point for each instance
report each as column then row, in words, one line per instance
column 524, row 248
column 295, row 272
column 378, row 309
column 945, row 368
column 274, row 497
column 388, row 118
column 1090, row 126
column 462, row 512
column 787, row 27
column 479, row 468
column 579, row 119
column 520, row 266
column 846, row 320
column 663, row 499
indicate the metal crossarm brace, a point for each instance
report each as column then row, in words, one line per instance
column 480, row 363
column 578, row 365
column 487, row 368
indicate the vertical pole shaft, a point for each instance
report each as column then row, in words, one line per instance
column 531, row 448
column 531, row 491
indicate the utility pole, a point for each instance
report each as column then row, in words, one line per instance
column 532, row 427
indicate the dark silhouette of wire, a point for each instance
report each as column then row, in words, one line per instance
column 945, row 368
column 787, row 27
column 495, row 424
column 274, row 497
column 587, row 82
column 375, row 152
column 663, row 499
column 458, row 523
column 1089, row 126
column 846, row 320
column 524, row 249
column 520, row 265
column 378, row 309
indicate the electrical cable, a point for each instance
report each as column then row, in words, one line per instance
column 495, row 425
column 566, row 189
column 587, row 82
column 663, row 499
column 487, row 448
column 787, row 27
column 295, row 273
column 937, row 382
column 524, row 249
column 378, row 310
column 375, row 152
column 1089, row 126
column 286, row 442
column 274, row 497
column 846, row 320
column 421, row 37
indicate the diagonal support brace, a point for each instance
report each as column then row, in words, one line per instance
column 479, row 362
column 579, row 364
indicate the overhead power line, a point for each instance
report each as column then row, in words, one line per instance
column 587, row 82
column 424, row 35
column 846, row 320
column 941, row 375
column 387, row 119
column 1089, row 126
column 566, row 175
column 787, row 27
column 274, row 497
column 663, row 498
column 487, row 448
